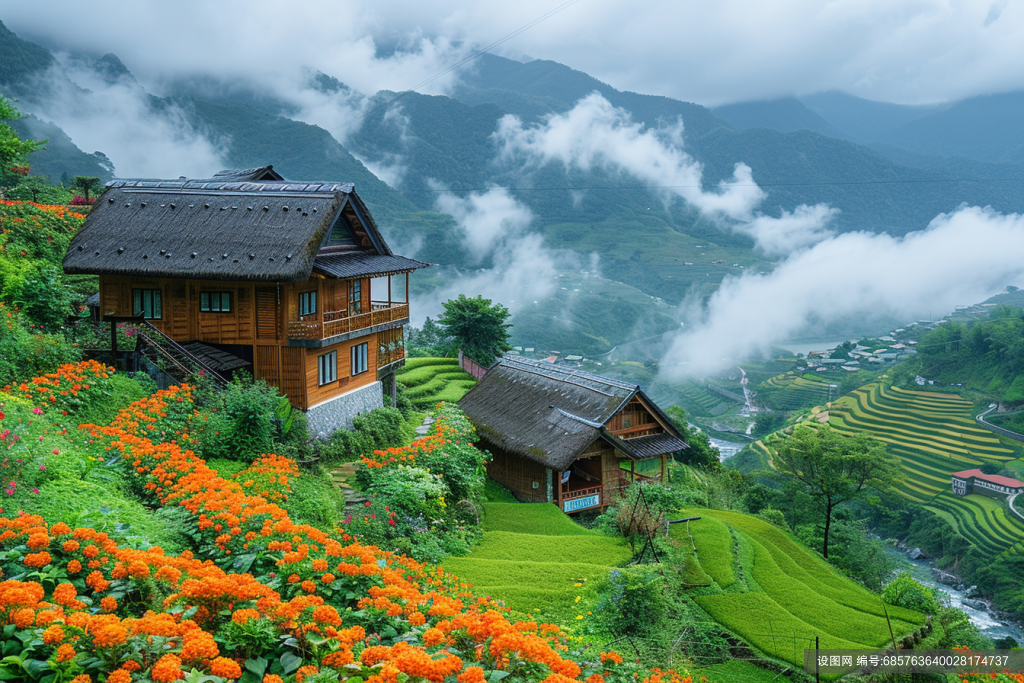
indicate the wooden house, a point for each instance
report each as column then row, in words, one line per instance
column 568, row 437
column 291, row 280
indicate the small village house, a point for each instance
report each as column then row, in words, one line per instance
column 568, row 437
column 289, row 280
column 992, row 485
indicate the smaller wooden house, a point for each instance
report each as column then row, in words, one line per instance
column 568, row 437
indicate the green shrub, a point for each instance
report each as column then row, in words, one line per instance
column 314, row 500
column 774, row 517
column 376, row 430
column 30, row 352
column 904, row 591
column 635, row 604
column 238, row 423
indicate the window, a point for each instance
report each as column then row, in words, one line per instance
column 215, row 302
column 146, row 302
column 359, row 360
column 327, row 368
column 307, row 303
column 355, row 297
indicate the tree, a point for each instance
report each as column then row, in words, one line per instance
column 13, row 151
column 477, row 327
column 701, row 454
column 832, row 468
column 86, row 184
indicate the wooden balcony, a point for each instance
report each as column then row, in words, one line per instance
column 389, row 357
column 334, row 323
column 582, row 499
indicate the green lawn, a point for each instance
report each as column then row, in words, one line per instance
column 779, row 595
column 537, row 560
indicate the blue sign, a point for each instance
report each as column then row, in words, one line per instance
column 581, row 503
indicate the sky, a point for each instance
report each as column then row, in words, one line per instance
column 906, row 51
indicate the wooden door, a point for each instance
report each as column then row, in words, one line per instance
column 266, row 313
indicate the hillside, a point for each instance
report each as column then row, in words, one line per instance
column 761, row 583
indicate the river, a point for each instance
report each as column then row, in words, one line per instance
column 921, row 570
column 727, row 448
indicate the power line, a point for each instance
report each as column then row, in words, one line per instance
column 673, row 187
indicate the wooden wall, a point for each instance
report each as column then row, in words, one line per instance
column 259, row 317
column 517, row 474
column 346, row 382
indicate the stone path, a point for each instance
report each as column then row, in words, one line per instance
column 341, row 475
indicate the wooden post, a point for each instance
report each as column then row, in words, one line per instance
column 632, row 471
column 407, row 289
column 663, row 457
column 389, row 291
column 558, row 498
column 394, row 390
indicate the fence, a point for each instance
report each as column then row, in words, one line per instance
column 471, row 366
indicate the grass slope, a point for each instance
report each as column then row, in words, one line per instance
column 431, row 380
column 532, row 556
column 779, row 595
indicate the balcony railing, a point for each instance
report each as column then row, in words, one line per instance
column 388, row 357
column 339, row 322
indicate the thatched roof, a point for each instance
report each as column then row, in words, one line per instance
column 238, row 225
column 551, row 414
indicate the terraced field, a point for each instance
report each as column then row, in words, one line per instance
column 982, row 520
column 793, row 391
column 933, row 434
column 778, row 595
column 536, row 559
column 431, row 380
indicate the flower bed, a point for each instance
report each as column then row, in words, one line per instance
column 69, row 387
column 278, row 601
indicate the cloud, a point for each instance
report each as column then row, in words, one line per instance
column 118, row 118
column 494, row 227
column 911, row 51
column 488, row 220
column 806, row 225
column 594, row 134
column 961, row 258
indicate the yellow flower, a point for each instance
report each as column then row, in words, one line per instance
column 577, row 584
column 578, row 617
column 577, row 599
column 589, row 612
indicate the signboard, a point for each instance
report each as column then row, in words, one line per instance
column 581, row 503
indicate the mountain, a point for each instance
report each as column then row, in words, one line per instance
column 787, row 114
column 986, row 128
column 61, row 155
column 862, row 120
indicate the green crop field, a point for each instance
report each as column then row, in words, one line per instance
column 779, row 595
column 792, row 391
column 533, row 557
column 431, row 380
column 935, row 435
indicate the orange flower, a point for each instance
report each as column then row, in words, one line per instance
column 65, row 652
column 167, row 669
column 304, row 671
column 53, row 635
column 108, row 604
column 119, row 676
column 473, row 674
column 225, row 668
column 74, row 566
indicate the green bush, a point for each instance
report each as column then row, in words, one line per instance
column 904, row 591
column 774, row 517
column 29, row 351
column 238, row 422
column 376, row 430
column 314, row 500
column 635, row 604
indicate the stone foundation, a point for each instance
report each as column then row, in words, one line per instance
column 322, row 420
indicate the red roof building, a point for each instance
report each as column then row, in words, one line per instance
column 992, row 485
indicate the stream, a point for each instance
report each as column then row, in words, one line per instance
column 921, row 570
column 727, row 449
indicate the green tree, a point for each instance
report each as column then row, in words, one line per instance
column 701, row 454
column 86, row 184
column 832, row 468
column 477, row 327
column 13, row 151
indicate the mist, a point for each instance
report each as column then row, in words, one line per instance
column 960, row 258
column 595, row 134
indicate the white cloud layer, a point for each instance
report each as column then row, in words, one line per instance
column 909, row 51
column 961, row 258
